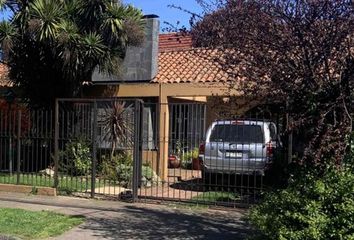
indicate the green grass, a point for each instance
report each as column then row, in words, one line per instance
column 204, row 200
column 215, row 197
column 67, row 184
column 35, row 225
column 27, row 179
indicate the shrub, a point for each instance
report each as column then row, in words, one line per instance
column 148, row 176
column 119, row 169
column 147, row 171
column 310, row 207
column 76, row 157
column 187, row 158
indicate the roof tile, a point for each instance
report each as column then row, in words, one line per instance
column 195, row 65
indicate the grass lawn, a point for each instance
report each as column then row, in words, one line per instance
column 215, row 197
column 67, row 185
column 35, row 225
column 203, row 200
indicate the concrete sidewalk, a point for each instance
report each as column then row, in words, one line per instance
column 117, row 220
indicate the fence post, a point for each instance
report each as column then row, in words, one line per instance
column 56, row 144
column 290, row 134
column 138, row 120
column 94, row 150
column 290, row 147
column 10, row 132
column 19, row 116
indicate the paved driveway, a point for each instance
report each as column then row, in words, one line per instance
column 117, row 220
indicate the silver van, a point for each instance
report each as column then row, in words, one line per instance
column 238, row 146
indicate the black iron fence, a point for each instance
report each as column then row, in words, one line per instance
column 26, row 146
column 216, row 161
column 131, row 149
column 97, row 146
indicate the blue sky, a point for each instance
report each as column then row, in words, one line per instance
column 3, row 15
column 160, row 8
column 171, row 15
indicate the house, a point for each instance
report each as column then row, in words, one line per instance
column 167, row 71
column 184, row 89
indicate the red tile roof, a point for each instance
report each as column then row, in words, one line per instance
column 191, row 66
column 174, row 41
column 179, row 62
column 4, row 80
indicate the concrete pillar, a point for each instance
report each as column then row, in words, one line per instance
column 163, row 137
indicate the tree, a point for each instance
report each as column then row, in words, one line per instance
column 300, row 53
column 52, row 46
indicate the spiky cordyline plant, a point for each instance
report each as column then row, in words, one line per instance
column 117, row 125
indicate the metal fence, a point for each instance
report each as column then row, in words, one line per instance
column 97, row 145
column 216, row 161
column 26, row 146
column 136, row 150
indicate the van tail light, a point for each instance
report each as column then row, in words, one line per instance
column 202, row 148
column 270, row 149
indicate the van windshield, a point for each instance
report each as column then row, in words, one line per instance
column 237, row 134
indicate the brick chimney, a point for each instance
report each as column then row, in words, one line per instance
column 174, row 41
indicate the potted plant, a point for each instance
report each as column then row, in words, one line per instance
column 195, row 160
column 174, row 161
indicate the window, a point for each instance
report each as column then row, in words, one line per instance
column 237, row 134
column 149, row 127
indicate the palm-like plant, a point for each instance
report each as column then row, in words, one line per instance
column 117, row 125
column 52, row 46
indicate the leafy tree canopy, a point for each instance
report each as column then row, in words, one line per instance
column 52, row 46
column 296, row 52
